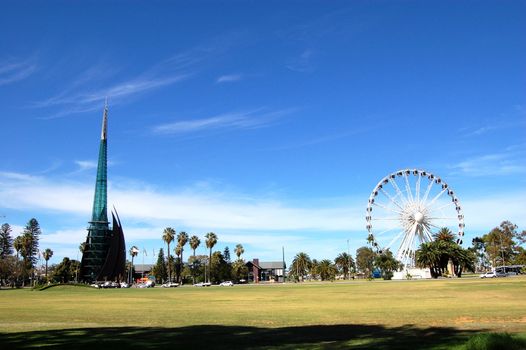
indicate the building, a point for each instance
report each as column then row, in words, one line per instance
column 104, row 255
column 266, row 271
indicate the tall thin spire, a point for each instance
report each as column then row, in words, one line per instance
column 104, row 121
column 100, row 213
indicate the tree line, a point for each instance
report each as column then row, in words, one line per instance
column 215, row 267
column 19, row 256
column 501, row 246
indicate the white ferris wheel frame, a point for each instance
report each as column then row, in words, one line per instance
column 412, row 210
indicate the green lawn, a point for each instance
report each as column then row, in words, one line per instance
column 435, row 314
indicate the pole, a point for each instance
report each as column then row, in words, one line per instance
column 142, row 272
column 348, row 261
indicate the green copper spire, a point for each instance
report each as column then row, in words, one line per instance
column 100, row 201
column 97, row 243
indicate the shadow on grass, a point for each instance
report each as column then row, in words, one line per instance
column 236, row 337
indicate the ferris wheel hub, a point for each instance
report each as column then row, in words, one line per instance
column 419, row 217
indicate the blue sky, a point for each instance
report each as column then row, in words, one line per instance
column 269, row 124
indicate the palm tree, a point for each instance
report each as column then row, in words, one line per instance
column 326, row 270
column 47, row 254
column 194, row 243
column 300, row 265
column 178, row 262
column 82, row 247
column 168, row 237
column 18, row 244
column 239, row 251
column 211, row 240
column 182, row 239
column 344, row 262
column 444, row 234
column 428, row 256
column 134, row 251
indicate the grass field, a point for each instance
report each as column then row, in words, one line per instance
column 436, row 314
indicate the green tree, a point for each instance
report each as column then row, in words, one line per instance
column 444, row 234
column 47, row 254
column 194, row 243
column 365, row 260
column 428, row 256
column 437, row 254
column 221, row 270
column 344, row 262
column 239, row 250
column 211, row 240
column 178, row 262
column 182, row 239
column 6, row 241
column 82, row 247
column 479, row 249
column 387, row 263
column 159, row 270
column 314, row 269
column 65, row 271
column 168, row 237
column 239, row 270
column 300, row 266
column 31, row 233
column 520, row 257
column 326, row 270
column 18, row 244
column 500, row 244
column 9, row 270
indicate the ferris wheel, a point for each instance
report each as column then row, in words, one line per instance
column 406, row 208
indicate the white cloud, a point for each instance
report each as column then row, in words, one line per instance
column 237, row 120
column 11, row 72
column 263, row 225
column 508, row 163
column 303, row 63
column 229, row 78
column 86, row 164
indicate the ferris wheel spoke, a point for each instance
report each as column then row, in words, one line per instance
column 408, row 238
column 385, row 231
column 444, row 206
column 397, row 189
column 428, row 189
column 428, row 234
column 435, row 226
column 408, row 188
column 418, row 187
column 394, row 239
column 386, row 208
column 444, row 218
column 436, row 197
column 383, row 219
column 391, row 199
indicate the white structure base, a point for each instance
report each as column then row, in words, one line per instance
column 411, row 273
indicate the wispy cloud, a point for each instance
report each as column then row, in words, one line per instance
column 302, row 63
column 229, row 121
column 511, row 162
column 11, row 71
column 86, row 164
column 86, row 92
column 229, row 78
column 263, row 224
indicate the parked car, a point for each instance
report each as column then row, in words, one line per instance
column 492, row 274
column 170, row 285
column 147, row 284
column 226, row 284
column 203, row 284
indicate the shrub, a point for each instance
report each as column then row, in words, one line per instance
column 495, row 341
